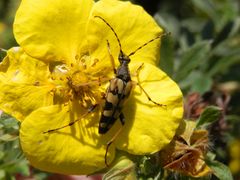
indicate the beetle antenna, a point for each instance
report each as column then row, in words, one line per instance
column 165, row 34
column 112, row 30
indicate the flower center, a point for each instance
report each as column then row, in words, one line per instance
column 80, row 82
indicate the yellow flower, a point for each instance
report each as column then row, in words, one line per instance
column 54, row 77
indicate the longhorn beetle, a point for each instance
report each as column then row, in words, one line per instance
column 119, row 90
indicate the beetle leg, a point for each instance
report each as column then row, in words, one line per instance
column 91, row 109
column 143, row 90
column 136, row 73
column 111, row 58
column 149, row 98
column 122, row 120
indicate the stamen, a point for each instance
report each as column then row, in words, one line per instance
column 77, row 57
column 95, row 61
column 36, row 83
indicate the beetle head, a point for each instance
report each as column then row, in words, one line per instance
column 123, row 58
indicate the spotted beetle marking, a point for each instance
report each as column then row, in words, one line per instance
column 117, row 92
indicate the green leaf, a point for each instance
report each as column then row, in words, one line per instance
column 219, row 11
column 224, row 64
column 209, row 115
column 9, row 122
column 21, row 167
column 223, row 34
column 220, row 170
column 167, row 55
column 201, row 84
column 186, row 83
column 123, row 169
column 159, row 175
column 41, row 175
column 1, row 155
column 210, row 156
column 169, row 23
column 207, row 7
column 192, row 58
column 146, row 166
column 8, row 137
column 2, row 174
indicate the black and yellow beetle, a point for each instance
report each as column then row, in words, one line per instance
column 119, row 90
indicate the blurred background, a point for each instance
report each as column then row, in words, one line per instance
column 202, row 55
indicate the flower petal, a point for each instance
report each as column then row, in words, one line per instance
column 20, row 100
column 133, row 26
column 52, row 30
column 24, row 84
column 148, row 127
column 76, row 149
column 18, row 67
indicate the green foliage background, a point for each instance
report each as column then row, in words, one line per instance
column 202, row 54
